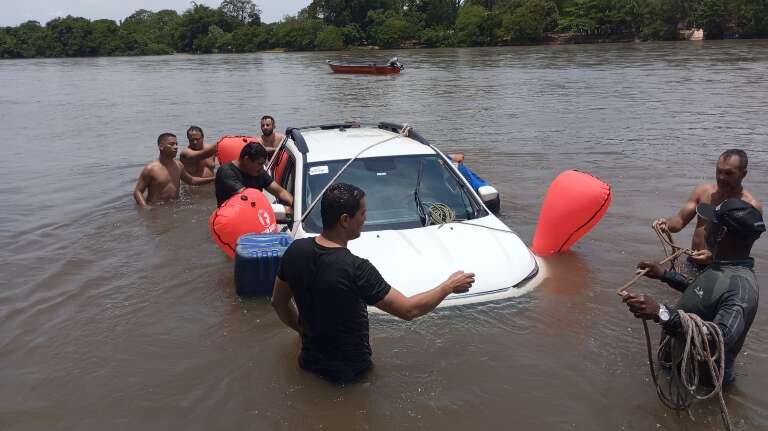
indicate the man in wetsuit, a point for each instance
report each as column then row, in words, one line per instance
column 331, row 288
column 198, row 156
column 726, row 293
column 730, row 172
column 269, row 138
column 248, row 172
column 162, row 177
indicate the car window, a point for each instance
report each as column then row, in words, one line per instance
column 393, row 186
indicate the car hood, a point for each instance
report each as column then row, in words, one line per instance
column 417, row 260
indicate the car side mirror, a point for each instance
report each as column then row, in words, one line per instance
column 281, row 214
column 487, row 193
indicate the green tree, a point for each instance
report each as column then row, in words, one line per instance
column 104, row 38
column 436, row 13
column 713, row 16
column 437, row 37
column 603, row 17
column 31, row 40
column 344, row 12
column 475, row 26
column 389, row 29
column 151, row 28
column 251, row 38
column 662, row 19
column 352, row 35
column 67, row 37
column 751, row 18
column 8, row 42
column 297, row 34
column 244, row 11
column 530, row 22
column 330, row 39
column 196, row 22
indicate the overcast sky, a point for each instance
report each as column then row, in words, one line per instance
column 15, row 12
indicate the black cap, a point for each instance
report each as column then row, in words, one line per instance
column 736, row 215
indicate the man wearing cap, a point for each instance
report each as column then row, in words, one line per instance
column 730, row 172
column 726, row 293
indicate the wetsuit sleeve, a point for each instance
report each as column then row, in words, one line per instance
column 371, row 286
column 675, row 280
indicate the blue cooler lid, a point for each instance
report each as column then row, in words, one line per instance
column 262, row 244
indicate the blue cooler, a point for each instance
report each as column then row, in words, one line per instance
column 257, row 259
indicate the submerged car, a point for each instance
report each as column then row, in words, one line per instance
column 424, row 220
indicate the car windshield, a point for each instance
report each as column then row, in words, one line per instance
column 393, row 188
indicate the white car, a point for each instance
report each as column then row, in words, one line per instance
column 413, row 242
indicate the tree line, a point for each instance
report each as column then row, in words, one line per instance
column 236, row 26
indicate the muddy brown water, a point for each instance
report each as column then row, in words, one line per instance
column 115, row 318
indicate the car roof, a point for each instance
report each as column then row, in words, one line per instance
column 341, row 144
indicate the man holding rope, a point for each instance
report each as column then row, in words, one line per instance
column 726, row 293
column 730, row 172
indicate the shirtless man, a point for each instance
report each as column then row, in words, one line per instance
column 730, row 172
column 162, row 176
column 269, row 138
column 197, row 158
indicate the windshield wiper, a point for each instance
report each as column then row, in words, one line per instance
column 417, row 196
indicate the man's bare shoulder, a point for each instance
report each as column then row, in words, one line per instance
column 152, row 166
column 750, row 199
column 186, row 153
column 703, row 193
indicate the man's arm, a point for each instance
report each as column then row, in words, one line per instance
column 195, row 155
column 195, row 181
column 282, row 194
column 283, row 305
column 397, row 304
column 686, row 213
column 141, row 186
column 674, row 279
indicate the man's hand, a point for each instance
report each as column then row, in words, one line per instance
column 654, row 269
column 703, row 257
column 460, row 281
column 641, row 305
column 662, row 224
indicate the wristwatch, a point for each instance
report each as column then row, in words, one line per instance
column 663, row 313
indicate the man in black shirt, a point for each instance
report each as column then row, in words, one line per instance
column 726, row 292
column 248, row 172
column 332, row 287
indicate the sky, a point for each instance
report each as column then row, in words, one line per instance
column 15, row 12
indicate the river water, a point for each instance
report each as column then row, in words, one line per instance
column 121, row 319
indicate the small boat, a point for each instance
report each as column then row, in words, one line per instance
column 393, row 66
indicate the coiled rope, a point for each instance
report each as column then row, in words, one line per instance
column 687, row 352
column 438, row 213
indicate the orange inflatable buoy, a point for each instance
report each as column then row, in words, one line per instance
column 228, row 147
column 245, row 212
column 280, row 165
column 574, row 203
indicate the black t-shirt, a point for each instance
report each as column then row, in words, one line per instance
column 230, row 179
column 331, row 287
